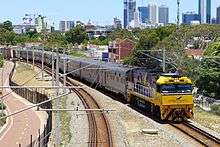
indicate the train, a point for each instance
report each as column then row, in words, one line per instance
column 168, row 96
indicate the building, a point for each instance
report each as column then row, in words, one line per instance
column 21, row 29
column 205, row 11
column 190, row 17
column 136, row 20
column 194, row 53
column 218, row 15
column 117, row 23
column 153, row 14
column 208, row 11
column 163, row 14
column 129, row 10
column 40, row 23
column 143, row 14
column 120, row 49
column 65, row 26
column 213, row 20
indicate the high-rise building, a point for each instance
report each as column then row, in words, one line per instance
column 208, row 11
column 190, row 17
column 69, row 25
column 153, row 14
column 117, row 23
column 218, row 15
column 129, row 10
column 136, row 20
column 62, row 26
column 66, row 25
column 205, row 11
column 213, row 20
column 201, row 10
column 40, row 23
column 143, row 14
column 163, row 14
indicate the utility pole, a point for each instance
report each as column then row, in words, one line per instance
column 64, row 69
column 57, row 102
column 27, row 54
column 178, row 14
column 42, row 64
column 164, row 60
column 53, row 68
column 33, row 57
column 2, row 89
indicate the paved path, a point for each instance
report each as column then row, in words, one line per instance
column 21, row 126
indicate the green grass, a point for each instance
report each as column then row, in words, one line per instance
column 23, row 67
column 207, row 119
column 78, row 54
column 2, row 106
column 65, row 124
column 2, row 121
column 215, row 109
column 1, row 60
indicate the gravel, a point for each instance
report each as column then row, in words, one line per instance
column 79, row 123
column 127, row 125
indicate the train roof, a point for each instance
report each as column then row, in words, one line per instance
column 114, row 67
column 106, row 65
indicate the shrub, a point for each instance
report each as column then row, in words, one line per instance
column 215, row 109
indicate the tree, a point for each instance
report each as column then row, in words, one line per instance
column 76, row 35
column 6, row 37
column 208, row 73
column 7, row 25
column 121, row 34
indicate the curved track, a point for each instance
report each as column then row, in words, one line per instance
column 99, row 129
column 199, row 135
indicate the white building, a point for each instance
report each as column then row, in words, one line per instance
column 40, row 23
column 136, row 20
column 153, row 14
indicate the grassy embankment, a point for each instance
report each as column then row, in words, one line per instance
column 77, row 53
column 65, row 118
column 210, row 120
column 24, row 70
column 2, row 106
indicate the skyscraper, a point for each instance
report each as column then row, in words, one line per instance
column 163, row 14
column 129, row 9
column 117, row 23
column 218, row 15
column 201, row 10
column 136, row 20
column 208, row 11
column 153, row 14
column 66, row 25
column 190, row 17
column 205, row 11
column 143, row 14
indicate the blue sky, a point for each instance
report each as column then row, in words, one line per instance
column 99, row 11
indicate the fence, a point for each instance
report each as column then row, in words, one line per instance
column 34, row 96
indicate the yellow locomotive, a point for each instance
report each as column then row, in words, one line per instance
column 167, row 96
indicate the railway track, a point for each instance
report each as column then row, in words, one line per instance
column 99, row 128
column 198, row 134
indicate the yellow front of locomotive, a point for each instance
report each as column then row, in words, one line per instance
column 176, row 99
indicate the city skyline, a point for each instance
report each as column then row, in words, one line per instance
column 100, row 13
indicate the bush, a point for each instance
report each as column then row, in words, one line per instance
column 1, row 60
column 215, row 109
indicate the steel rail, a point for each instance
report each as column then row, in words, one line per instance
column 198, row 134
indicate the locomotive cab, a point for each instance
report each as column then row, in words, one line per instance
column 175, row 94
